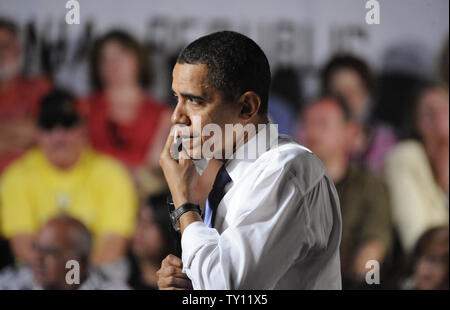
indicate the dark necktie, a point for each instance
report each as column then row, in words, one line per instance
column 215, row 196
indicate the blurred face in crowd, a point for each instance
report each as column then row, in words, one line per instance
column 325, row 130
column 431, row 269
column 348, row 84
column 9, row 55
column 62, row 146
column 433, row 115
column 53, row 247
column 197, row 98
column 118, row 65
column 148, row 242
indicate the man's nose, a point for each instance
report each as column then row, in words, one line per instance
column 179, row 116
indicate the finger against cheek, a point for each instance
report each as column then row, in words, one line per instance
column 169, row 141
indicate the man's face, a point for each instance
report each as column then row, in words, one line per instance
column 9, row 55
column 62, row 146
column 51, row 251
column 324, row 129
column 197, row 98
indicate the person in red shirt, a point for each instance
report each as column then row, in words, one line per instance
column 19, row 97
column 124, row 121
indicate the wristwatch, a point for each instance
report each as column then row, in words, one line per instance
column 175, row 214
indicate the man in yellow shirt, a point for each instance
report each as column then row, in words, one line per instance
column 64, row 176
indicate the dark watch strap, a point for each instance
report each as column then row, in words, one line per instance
column 175, row 214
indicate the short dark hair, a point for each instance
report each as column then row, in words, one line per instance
column 10, row 26
column 347, row 61
column 58, row 107
column 127, row 41
column 236, row 64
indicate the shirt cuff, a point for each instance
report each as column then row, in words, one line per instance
column 195, row 236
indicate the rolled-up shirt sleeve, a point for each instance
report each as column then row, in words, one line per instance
column 278, row 224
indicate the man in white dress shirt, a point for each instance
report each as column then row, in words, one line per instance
column 272, row 217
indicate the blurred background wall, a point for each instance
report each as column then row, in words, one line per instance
column 298, row 33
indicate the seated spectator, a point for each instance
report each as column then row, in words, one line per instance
column 124, row 121
column 19, row 97
column 60, row 240
column 366, row 233
column 417, row 168
column 63, row 176
column 154, row 239
column 405, row 65
column 351, row 78
column 430, row 261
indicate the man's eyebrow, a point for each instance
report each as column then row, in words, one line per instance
column 192, row 96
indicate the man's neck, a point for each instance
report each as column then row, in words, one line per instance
column 260, row 119
column 66, row 166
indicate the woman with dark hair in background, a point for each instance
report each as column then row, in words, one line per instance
column 153, row 240
column 124, row 121
column 417, row 169
column 429, row 261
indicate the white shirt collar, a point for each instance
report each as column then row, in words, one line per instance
column 246, row 154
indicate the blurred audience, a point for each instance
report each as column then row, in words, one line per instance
column 19, row 96
column 60, row 240
column 405, row 66
column 71, row 171
column 328, row 131
column 352, row 78
column 430, row 261
column 63, row 176
column 417, row 169
column 124, row 121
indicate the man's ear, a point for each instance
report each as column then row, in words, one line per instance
column 250, row 103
